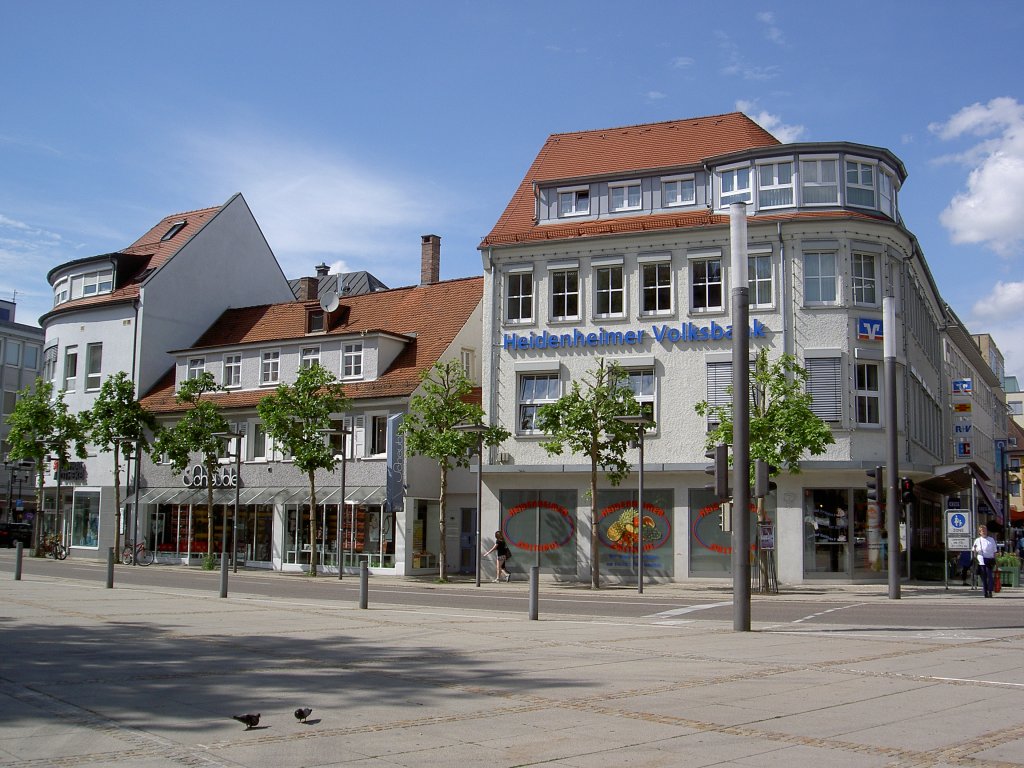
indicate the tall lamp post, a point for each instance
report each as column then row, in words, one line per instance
column 641, row 422
column 478, row 430
column 237, row 437
column 129, row 443
column 340, row 543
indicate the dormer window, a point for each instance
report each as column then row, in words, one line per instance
column 176, row 227
column 734, row 185
column 315, row 321
column 624, row 196
column 678, row 190
column 574, row 201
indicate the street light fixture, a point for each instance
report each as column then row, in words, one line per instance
column 237, row 437
column 641, row 422
column 478, row 430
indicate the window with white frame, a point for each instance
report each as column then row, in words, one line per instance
column 624, row 196
column 93, row 366
column 309, row 357
column 468, row 360
column 259, row 443
column 760, row 287
column 706, row 285
column 820, row 278
column 609, row 292
column 678, row 190
column 865, row 279
column 92, row 283
column 565, row 294
column 719, row 392
column 379, row 436
column 233, row 370
column 643, row 385
column 819, row 183
column 50, row 363
column 12, row 352
column 519, row 297
column 352, row 360
column 868, row 394
column 574, row 202
column 734, row 185
column 825, row 385
column 196, row 367
column 775, row 184
column 270, row 367
column 61, row 291
column 860, row 184
column 70, row 368
column 656, row 288
column 30, row 358
column 535, row 390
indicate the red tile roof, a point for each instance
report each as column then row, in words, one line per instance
column 637, row 148
column 431, row 315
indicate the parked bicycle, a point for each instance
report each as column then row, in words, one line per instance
column 53, row 548
column 138, row 553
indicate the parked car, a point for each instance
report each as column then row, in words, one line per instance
column 11, row 533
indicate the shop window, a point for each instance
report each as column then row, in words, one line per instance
column 540, row 528
column 706, row 285
column 85, row 519
column 868, row 395
column 565, row 294
column 710, row 547
column 656, row 288
column 825, row 386
column 609, row 292
column 535, row 390
column 519, row 297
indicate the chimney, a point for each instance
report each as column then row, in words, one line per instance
column 430, row 259
column 307, row 289
column 322, row 270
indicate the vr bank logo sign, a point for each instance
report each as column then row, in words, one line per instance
column 685, row 333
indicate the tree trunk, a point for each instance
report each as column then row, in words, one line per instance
column 442, row 554
column 595, row 541
column 313, row 546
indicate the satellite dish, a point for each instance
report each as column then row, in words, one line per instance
column 329, row 302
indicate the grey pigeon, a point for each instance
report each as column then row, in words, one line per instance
column 302, row 713
column 250, row 721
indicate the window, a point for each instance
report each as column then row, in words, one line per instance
column 719, row 393
column 735, row 186
column 259, row 442
column 519, row 298
column 565, row 294
column 574, row 202
column 50, row 363
column 825, row 385
column 379, row 438
column 1016, row 407
column 91, row 283
column 176, row 227
column 818, row 182
column 759, row 280
column 641, row 382
column 93, row 364
column 678, row 191
column 868, row 411
column 535, row 390
column 656, row 288
column 820, row 278
column 9, row 402
column 624, row 196
column 860, row 184
column 468, row 360
column 775, row 185
column 352, row 360
column 270, row 372
column 31, row 358
column 865, row 282
column 196, row 367
column 60, row 291
column 70, row 368
column 12, row 354
column 315, row 322
column 609, row 293
column 232, row 370
column 309, row 357
column 706, row 283
column 885, row 193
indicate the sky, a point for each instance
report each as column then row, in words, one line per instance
column 353, row 128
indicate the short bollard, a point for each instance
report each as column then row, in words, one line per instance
column 110, row 567
column 19, row 551
column 534, row 591
column 364, row 584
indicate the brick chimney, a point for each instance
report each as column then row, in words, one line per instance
column 307, row 289
column 430, row 259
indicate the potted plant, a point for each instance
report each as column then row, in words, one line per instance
column 1008, row 565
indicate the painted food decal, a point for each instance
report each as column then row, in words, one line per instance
column 624, row 530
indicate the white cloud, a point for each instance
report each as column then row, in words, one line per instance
column 772, row 31
column 737, row 65
column 655, row 95
column 771, row 123
column 682, row 62
column 999, row 313
column 987, row 211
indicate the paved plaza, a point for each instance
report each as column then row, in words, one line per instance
column 151, row 677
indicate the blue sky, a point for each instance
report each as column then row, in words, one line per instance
column 352, row 128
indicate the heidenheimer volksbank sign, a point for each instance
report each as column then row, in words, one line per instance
column 684, row 333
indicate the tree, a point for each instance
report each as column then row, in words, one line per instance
column 296, row 417
column 196, row 432
column 429, row 430
column 583, row 422
column 41, row 424
column 117, row 414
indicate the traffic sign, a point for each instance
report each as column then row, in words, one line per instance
column 958, row 543
column 956, row 523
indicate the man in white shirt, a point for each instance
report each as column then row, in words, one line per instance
column 984, row 549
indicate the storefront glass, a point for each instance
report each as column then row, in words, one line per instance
column 85, row 519
column 826, row 525
column 540, row 528
column 710, row 546
column 618, row 526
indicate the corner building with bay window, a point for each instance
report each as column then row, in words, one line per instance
column 616, row 246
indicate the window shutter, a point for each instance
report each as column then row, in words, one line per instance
column 824, row 384
column 359, row 433
column 719, row 380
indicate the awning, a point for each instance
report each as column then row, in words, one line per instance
column 366, row 494
column 955, row 478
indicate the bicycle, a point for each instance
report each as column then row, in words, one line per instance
column 53, row 548
column 137, row 553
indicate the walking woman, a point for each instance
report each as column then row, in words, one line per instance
column 503, row 553
column 984, row 549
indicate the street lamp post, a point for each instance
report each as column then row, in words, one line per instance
column 129, row 443
column 237, row 437
column 641, row 422
column 478, row 430
column 339, row 534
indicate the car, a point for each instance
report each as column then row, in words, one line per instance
column 11, row 533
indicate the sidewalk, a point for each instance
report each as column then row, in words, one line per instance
column 151, row 677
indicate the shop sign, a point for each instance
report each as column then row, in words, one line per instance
column 963, row 450
column 396, row 463
column 685, row 333
column 72, row 472
column 963, row 386
column 962, row 407
column 196, row 477
column 869, row 329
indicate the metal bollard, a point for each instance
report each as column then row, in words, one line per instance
column 19, row 551
column 223, row 575
column 534, row 590
column 364, row 584
column 110, row 567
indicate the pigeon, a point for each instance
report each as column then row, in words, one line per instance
column 250, row 721
column 302, row 713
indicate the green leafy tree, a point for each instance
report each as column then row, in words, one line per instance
column 429, row 430
column 297, row 417
column 41, row 424
column 583, row 422
column 117, row 414
column 196, row 432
